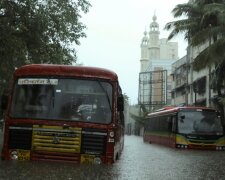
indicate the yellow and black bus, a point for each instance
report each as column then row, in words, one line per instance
column 64, row 113
column 185, row 127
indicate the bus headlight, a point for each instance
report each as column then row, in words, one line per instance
column 111, row 134
column 97, row 160
column 220, row 148
column 14, row 155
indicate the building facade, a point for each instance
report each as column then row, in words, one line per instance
column 157, row 55
column 190, row 87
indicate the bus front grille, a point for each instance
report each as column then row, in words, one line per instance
column 56, row 139
column 55, row 156
column 93, row 142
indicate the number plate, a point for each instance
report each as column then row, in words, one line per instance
column 86, row 159
column 23, row 155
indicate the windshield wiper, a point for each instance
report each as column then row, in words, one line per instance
column 106, row 94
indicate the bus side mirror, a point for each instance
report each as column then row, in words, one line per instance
column 120, row 103
column 4, row 102
column 182, row 118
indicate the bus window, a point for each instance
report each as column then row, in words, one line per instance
column 66, row 99
column 31, row 100
column 174, row 124
column 170, row 123
column 209, row 122
column 199, row 122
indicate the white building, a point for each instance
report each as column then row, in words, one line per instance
column 153, row 48
column 157, row 55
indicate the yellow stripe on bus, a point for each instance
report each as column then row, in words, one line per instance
column 51, row 141
column 53, row 149
column 181, row 140
column 56, row 127
column 61, row 138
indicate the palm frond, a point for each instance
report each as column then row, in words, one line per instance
column 182, row 10
column 200, row 37
column 144, row 109
column 138, row 119
column 210, row 55
column 181, row 26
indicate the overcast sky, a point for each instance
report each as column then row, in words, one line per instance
column 114, row 32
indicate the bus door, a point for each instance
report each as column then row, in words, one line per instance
column 172, row 128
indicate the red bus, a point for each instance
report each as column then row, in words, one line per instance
column 185, row 127
column 64, row 113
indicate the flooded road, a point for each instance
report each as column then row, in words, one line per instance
column 139, row 161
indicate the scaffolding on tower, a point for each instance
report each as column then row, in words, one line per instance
column 153, row 88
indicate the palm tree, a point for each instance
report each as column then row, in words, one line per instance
column 204, row 23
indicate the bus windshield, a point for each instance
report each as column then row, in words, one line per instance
column 199, row 122
column 62, row 99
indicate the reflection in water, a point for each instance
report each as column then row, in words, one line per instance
column 139, row 161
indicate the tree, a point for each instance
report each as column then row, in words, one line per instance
column 204, row 23
column 34, row 31
column 126, row 99
column 141, row 118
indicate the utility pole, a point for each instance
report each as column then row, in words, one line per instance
column 209, row 78
column 187, row 71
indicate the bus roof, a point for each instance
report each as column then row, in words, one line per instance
column 65, row 70
column 173, row 109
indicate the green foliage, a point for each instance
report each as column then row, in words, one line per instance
column 126, row 98
column 39, row 31
column 222, row 100
column 141, row 118
column 204, row 23
column 144, row 109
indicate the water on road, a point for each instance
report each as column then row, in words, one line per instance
column 139, row 161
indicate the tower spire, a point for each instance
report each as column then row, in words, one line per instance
column 154, row 50
column 144, row 53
